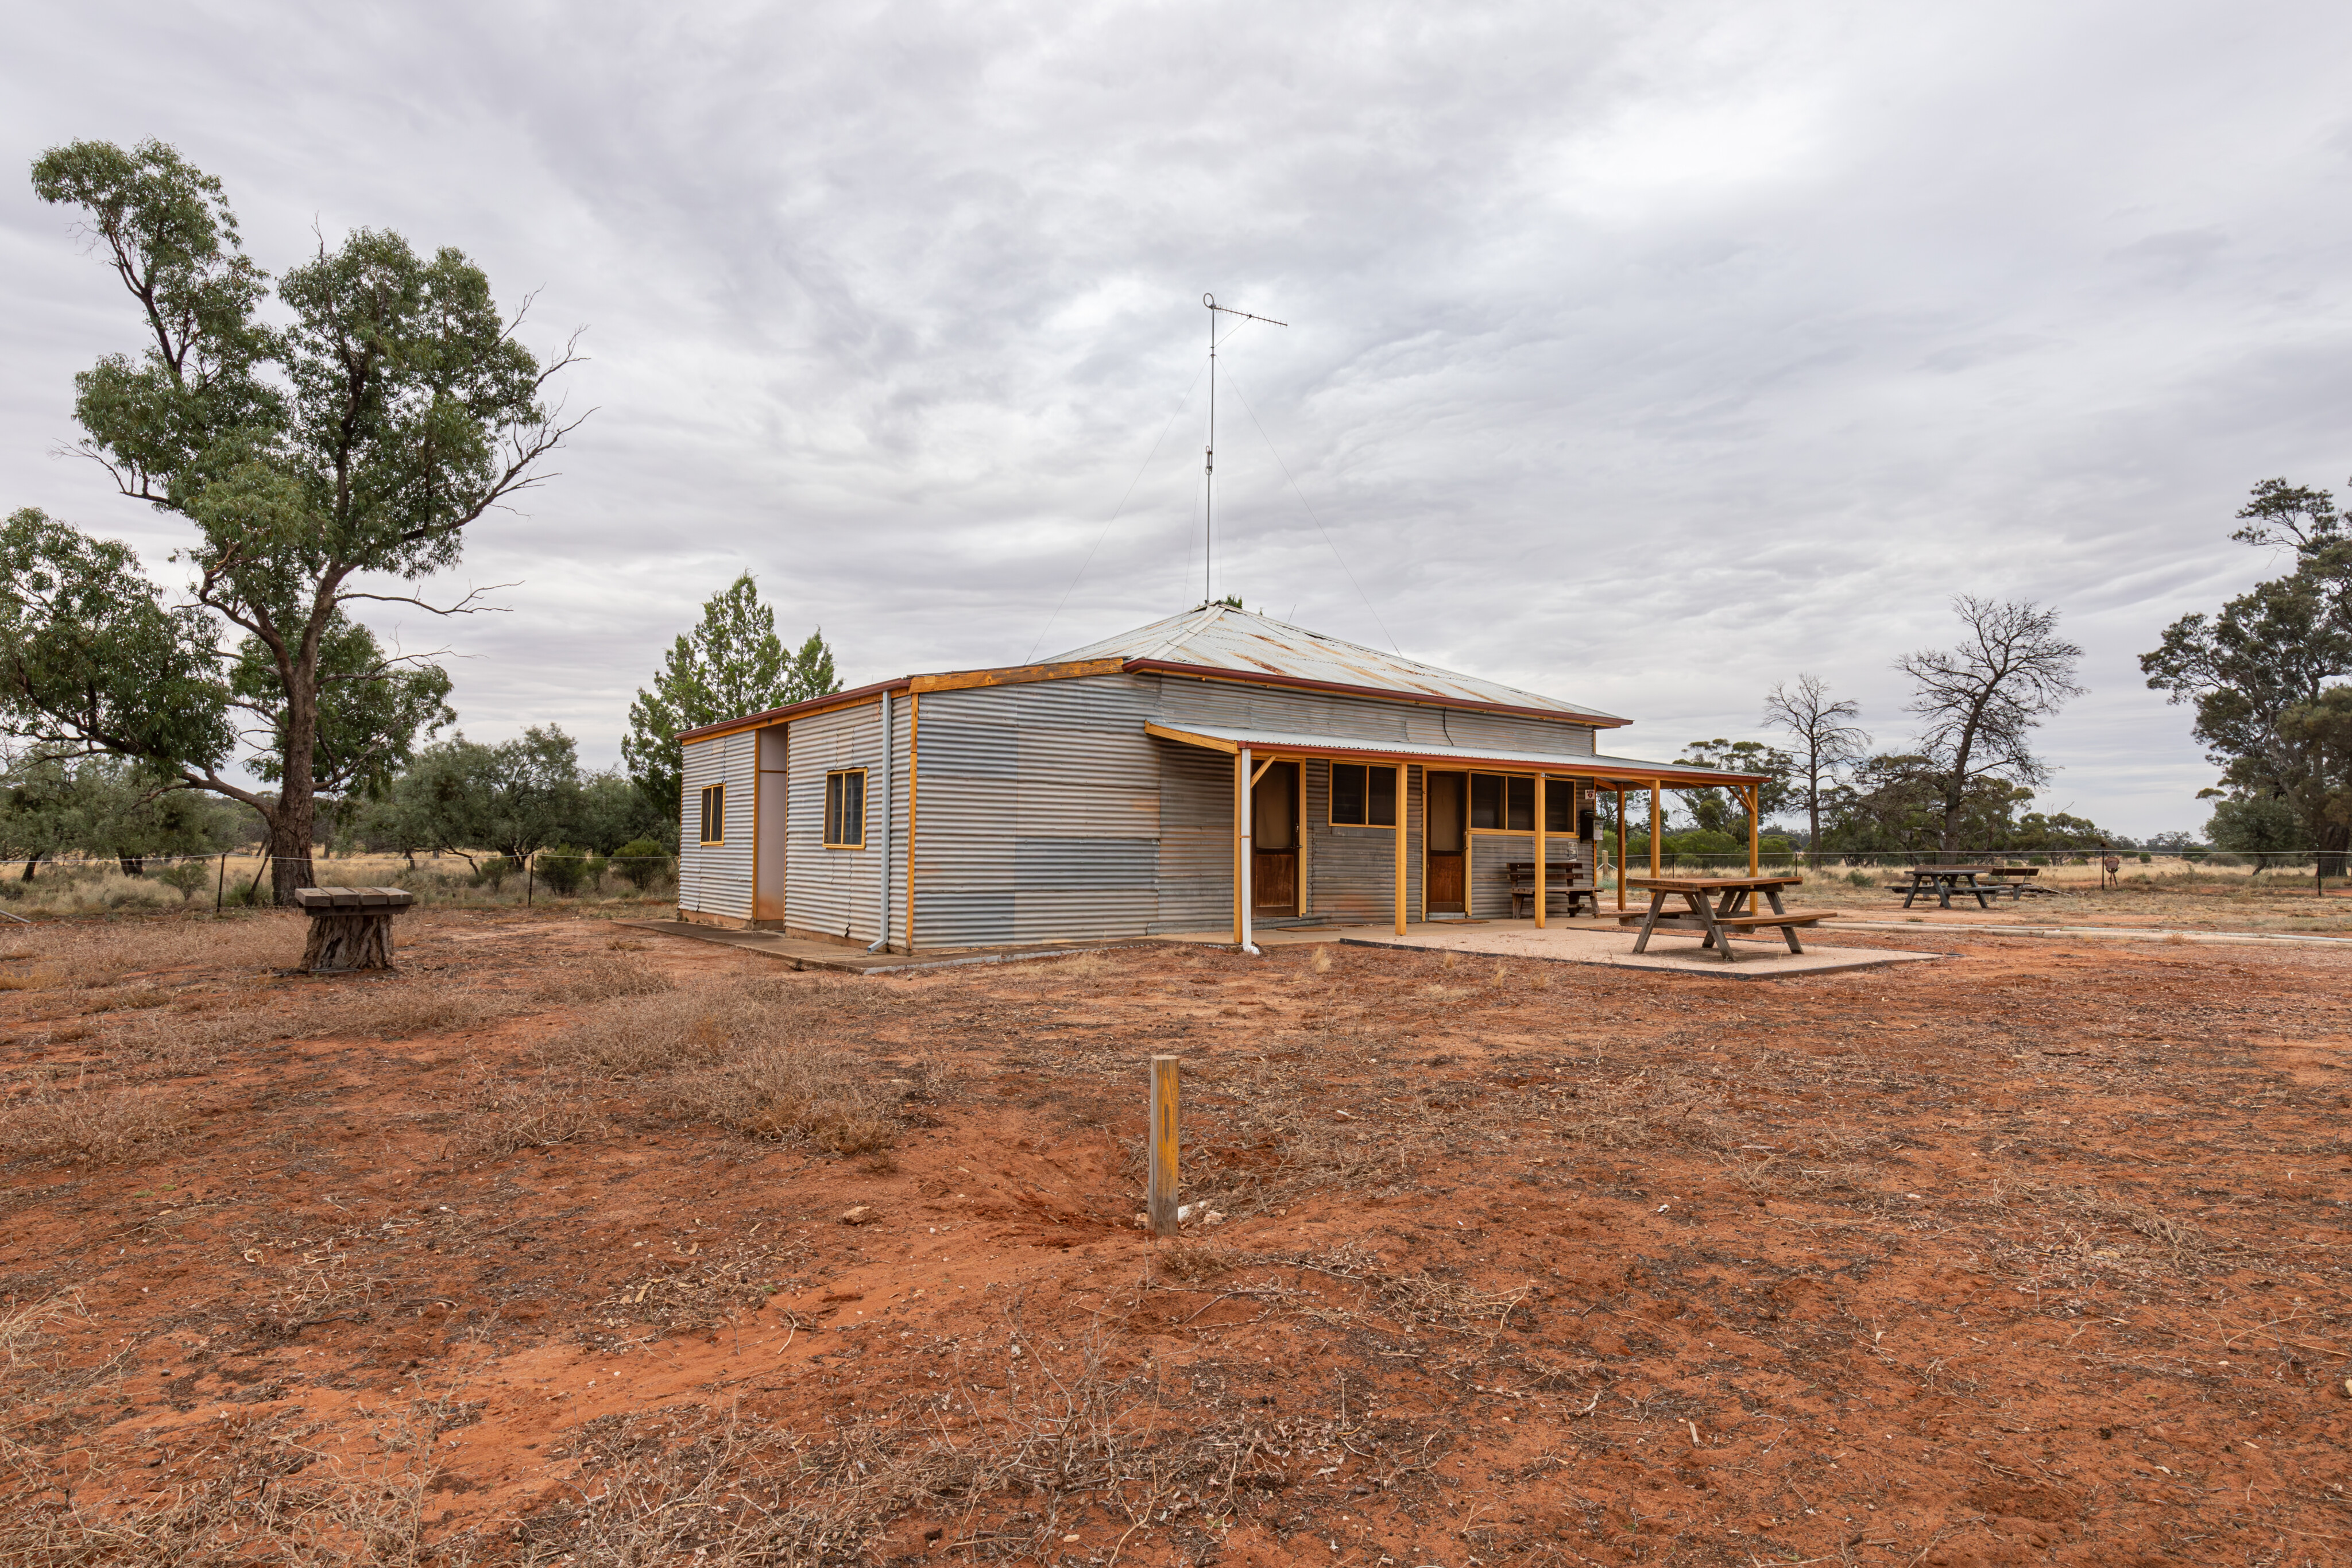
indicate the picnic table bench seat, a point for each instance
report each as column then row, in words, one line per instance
column 1562, row 877
column 1776, row 917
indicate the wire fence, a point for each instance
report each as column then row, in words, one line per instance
column 238, row 879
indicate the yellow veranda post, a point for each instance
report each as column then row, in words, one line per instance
column 1542, row 870
column 1403, row 816
column 1620, row 849
column 1755, row 795
column 1658, row 788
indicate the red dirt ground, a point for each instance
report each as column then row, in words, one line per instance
column 2033, row 1255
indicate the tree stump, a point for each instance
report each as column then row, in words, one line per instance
column 351, row 928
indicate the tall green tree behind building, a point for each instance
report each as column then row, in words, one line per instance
column 730, row 665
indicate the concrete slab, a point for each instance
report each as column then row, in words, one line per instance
column 1585, row 943
column 805, row 953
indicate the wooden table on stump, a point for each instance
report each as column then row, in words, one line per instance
column 351, row 928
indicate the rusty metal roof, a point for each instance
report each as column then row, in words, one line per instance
column 1222, row 637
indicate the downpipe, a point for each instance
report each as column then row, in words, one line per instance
column 882, row 942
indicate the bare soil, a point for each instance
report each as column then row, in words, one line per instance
column 574, row 1243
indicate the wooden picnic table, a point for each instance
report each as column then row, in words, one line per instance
column 1943, row 881
column 1719, row 905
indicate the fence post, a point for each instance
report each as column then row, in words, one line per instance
column 1161, row 1195
column 220, row 882
column 529, row 875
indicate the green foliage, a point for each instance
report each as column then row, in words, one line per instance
column 93, row 659
column 103, row 806
column 643, row 862
column 2256, row 824
column 461, row 797
column 190, row 877
column 2257, row 672
column 493, row 871
column 371, row 708
column 320, row 464
column 1719, row 811
column 566, row 868
column 730, row 665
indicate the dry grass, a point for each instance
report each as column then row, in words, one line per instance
column 796, row 1092
column 271, row 1498
column 508, row 1115
column 84, row 1123
column 98, row 953
column 662, row 1033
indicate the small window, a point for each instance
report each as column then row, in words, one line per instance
column 1485, row 801
column 1559, row 805
column 1520, row 796
column 1363, row 797
column 714, row 814
column 844, row 810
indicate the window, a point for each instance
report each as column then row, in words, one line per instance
column 1363, row 797
column 1506, row 803
column 1560, row 806
column 844, row 810
column 714, row 814
column 1485, row 803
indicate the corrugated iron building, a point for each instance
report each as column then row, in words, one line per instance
column 1215, row 769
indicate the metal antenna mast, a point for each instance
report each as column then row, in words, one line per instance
column 1209, row 481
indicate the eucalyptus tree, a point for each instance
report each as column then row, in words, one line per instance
column 1980, row 701
column 330, row 456
column 2265, row 674
column 1828, row 741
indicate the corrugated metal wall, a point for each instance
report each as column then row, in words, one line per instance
column 1195, row 871
column 835, row 892
column 716, row 879
column 1351, row 872
column 1038, row 816
column 967, row 749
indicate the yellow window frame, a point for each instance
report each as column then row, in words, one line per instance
column 826, row 830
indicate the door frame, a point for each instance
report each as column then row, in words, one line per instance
column 1297, row 907
column 1462, row 805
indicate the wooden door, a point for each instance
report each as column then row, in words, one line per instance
column 1274, row 836
column 1446, row 878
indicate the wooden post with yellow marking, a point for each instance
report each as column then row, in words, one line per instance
column 1161, row 1195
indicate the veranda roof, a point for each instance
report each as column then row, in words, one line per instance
column 1610, row 771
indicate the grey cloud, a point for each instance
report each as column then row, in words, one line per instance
column 1644, row 354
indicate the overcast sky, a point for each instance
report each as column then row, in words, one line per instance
column 1641, row 354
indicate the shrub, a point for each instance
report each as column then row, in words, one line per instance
column 643, row 862
column 564, row 869
column 493, row 872
column 188, row 876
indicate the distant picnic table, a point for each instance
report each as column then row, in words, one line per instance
column 1943, row 881
column 1719, row 905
